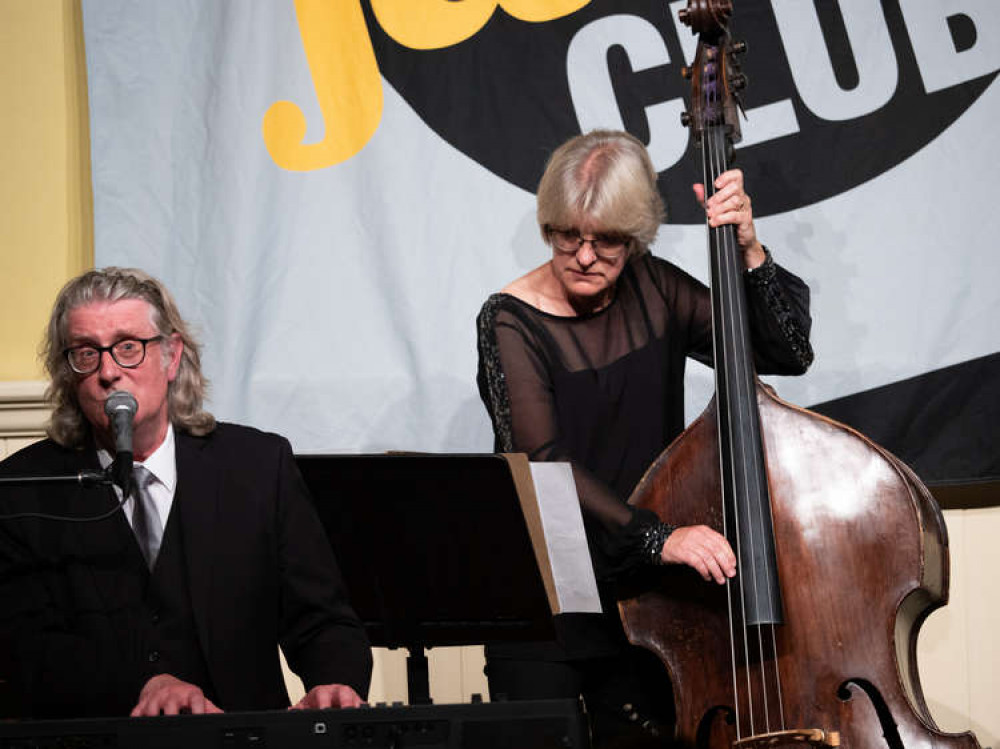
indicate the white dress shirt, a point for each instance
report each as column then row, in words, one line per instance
column 162, row 464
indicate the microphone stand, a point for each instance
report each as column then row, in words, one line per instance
column 120, row 408
column 86, row 477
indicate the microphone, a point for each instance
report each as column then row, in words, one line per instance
column 120, row 408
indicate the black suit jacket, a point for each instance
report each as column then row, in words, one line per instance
column 260, row 572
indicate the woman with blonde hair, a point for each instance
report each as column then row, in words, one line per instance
column 582, row 360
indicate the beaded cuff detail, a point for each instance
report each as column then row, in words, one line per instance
column 654, row 536
column 764, row 281
column 763, row 273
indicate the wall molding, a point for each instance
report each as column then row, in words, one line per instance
column 23, row 409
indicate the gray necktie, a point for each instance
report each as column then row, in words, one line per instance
column 145, row 518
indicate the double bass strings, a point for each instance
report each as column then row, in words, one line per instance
column 724, row 325
column 716, row 238
column 738, row 373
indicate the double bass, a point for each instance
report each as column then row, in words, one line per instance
column 842, row 553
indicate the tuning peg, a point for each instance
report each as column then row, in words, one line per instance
column 686, row 72
column 686, row 119
column 738, row 82
column 738, row 48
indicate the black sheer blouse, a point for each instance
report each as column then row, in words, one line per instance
column 605, row 392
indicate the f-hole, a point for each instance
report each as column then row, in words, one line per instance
column 890, row 732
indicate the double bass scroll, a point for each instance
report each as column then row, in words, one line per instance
column 842, row 552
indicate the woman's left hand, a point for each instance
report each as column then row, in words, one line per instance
column 731, row 205
column 704, row 549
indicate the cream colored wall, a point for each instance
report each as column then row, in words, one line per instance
column 456, row 676
column 23, row 412
column 45, row 192
column 958, row 651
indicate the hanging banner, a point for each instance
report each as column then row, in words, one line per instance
column 333, row 187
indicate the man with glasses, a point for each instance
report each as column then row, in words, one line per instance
column 97, row 619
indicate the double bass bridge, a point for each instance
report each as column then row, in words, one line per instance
column 809, row 736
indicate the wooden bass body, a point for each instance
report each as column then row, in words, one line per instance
column 862, row 559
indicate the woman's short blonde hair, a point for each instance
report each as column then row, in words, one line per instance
column 602, row 181
column 185, row 394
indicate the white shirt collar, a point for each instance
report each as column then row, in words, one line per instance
column 162, row 463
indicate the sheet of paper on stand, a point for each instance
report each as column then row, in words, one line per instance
column 565, row 538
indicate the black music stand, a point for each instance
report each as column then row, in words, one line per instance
column 434, row 549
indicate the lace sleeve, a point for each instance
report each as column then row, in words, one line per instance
column 490, row 378
column 779, row 318
column 516, row 390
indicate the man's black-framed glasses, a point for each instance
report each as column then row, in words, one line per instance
column 128, row 353
column 607, row 246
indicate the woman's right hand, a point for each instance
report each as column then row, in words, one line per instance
column 702, row 548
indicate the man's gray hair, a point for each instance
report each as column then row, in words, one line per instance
column 185, row 395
